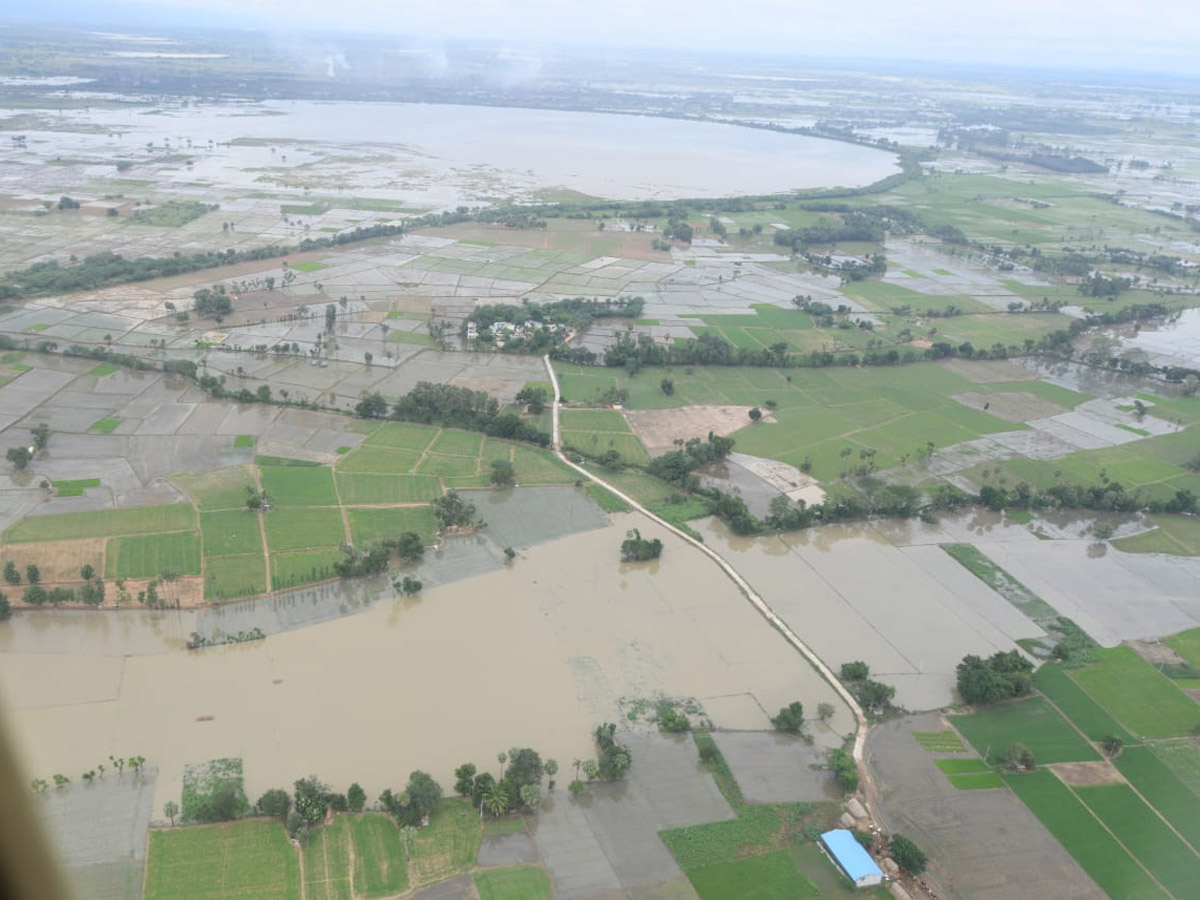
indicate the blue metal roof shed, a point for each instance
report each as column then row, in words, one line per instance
column 851, row 858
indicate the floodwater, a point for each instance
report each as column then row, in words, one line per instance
column 417, row 151
column 535, row 654
column 1176, row 342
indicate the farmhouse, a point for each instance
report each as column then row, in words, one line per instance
column 849, row 856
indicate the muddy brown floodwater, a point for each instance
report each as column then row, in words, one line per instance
column 533, row 655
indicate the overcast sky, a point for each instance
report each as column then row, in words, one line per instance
column 1160, row 35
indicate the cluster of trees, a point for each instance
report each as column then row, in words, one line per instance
column 636, row 548
column 676, row 466
column 20, row 456
column 90, row 592
column 518, row 787
column 790, row 719
column 908, row 856
column 452, row 510
column 575, row 312
column 454, row 407
column 212, row 303
column 115, row 763
column 845, row 772
column 1002, row 676
column 874, row 696
column 1100, row 285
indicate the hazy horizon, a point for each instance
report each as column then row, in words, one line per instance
column 1037, row 34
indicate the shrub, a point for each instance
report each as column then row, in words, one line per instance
column 845, row 772
column 790, row 718
column 275, row 803
column 908, row 856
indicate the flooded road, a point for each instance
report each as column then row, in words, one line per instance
column 536, row 654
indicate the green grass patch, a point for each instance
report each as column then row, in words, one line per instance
column 102, row 523
column 316, row 208
column 74, row 488
column 342, row 450
column 515, row 883
column 1030, row 722
column 369, row 524
column 828, row 879
column 284, row 462
column 606, row 499
column 1155, row 781
column 40, row 326
column 1087, row 715
column 172, row 214
column 311, row 266
column 1139, row 696
column 961, row 766
column 1083, row 837
column 249, row 860
column 243, row 440
column 977, row 781
column 380, row 862
column 449, row 466
column 1146, row 836
column 509, row 825
column 755, row 830
column 220, row 489
column 368, row 488
column 1183, row 759
column 594, row 420
column 1187, row 645
column 103, row 369
column 151, row 555
column 419, row 338
column 1141, row 432
column 770, row 876
column 303, row 567
column 1176, row 535
column 403, row 436
column 231, row 577
column 449, row 844
column 940, row 741
column 541, row 467
column 230, row 532
column 299, row 528
column 327, row 862
column 298, row 486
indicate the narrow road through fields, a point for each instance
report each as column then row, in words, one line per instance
column 860, row 737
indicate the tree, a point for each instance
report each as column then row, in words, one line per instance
column 312, row 799
column 1003, row 675
column 502, row 472
column 32, row 574
column 464, row 779
column 5, row 608
column 845, row 772
column 524, row 767
column 531, row 795
column 171, row 810
column 275, row 803
column 424, row 797
column 502, row 758
column 873, row 694
column 755, row 414
column 668, row 386
column 410, row 546
column 371, row 406
column 35, row 595
column 87, row 571
column 790, row 718
column 408, row 586
column 1112, row 745
column 356, row 798
column 19, row 457
column 1018, row 758
column 41, row 435
column 551, row 769
column 534, row 399
column 908, row 856
column 495, row 800
column 855, row 671
column 11, row 575
column 484, row 782
column 368, row 356
column 825, row 711
column 635, row 548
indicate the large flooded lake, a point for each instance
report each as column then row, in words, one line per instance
column 434, row 154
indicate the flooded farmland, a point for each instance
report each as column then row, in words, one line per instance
column 536, row 654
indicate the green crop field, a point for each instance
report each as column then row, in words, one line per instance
column 448, row 845
column 149, row 556
column 976, row 781
column 540, row 467
column 103, row 369
column 221, row 489
column 1146, row 836
column 231, row 577
column 106, row 425
column 755, row 830
column 230, row 532
column 449, row 466
column 248, row 860
column 403, row 436
column 299, row 486
column 103, row 523
column 771, row 876
column 830, row 883
column 300, row 528
column 1187, row 645
column 1176, row 535
column 243, row 440
column 382, row 460
column 457, row 443
column 594, row 420
column 961, row 766
column 380, row 863
column 940, row 741
column 1179, row 804
column 74, row 487
column 327, row 862
column 1030, row 722
column 1088, row 715
column 595, row 443
column 1139, row 696
column 1183, row 759
column 387, row 523
column 1073, row 825
column 369, row 488
column 515, row 883
column 302, row 567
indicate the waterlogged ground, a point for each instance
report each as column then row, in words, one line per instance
column 536, row 655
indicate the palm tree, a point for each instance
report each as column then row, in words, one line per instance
column 503, row 758
column 496, row 799
column 551, row 769
column 577, row 764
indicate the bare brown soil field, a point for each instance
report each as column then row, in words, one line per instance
column 187, row 590
column 580, row 236
column 58, row 562
column 1087, row 774
column 658, row 428
column 1017, row 406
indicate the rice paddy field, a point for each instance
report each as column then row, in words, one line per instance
column 248, row 860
